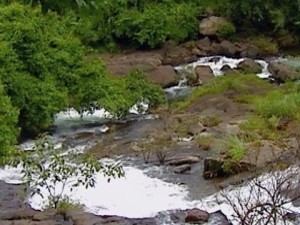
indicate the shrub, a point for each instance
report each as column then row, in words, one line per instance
column 157, row 23
column 226, row 31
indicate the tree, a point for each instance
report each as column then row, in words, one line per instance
column 264, row 200
column 54, row 170
column 8, row 126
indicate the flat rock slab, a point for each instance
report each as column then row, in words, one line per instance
column 183, row 160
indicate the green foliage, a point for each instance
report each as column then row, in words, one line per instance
column 267, row 46
column 278, row 104
column 8, row 126
column 47, row 166
column 205, row 142
column 226, row 31
column 157, row 23
column 66, row 204
column 239, row 83
column 236, row 151
column 44, row 70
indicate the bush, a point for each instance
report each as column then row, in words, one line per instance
column 226, row 31
column 157, row 23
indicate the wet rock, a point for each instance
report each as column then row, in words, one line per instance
column 227, row 70
column 196, row 216
column 213, row 168
column 249, row 66
column 282, row 72
column 183, row 160
column 182, row 168
column 17, row 214
column 165, row 76
column 218, row 218
column 209, row 26
column 204, row 74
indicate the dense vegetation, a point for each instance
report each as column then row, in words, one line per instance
column 44, row 47
column 45, row 69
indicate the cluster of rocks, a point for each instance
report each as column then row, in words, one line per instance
column 28, row 216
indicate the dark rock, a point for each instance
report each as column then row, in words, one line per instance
column 213, row 168
column 196, row 216
column 228, row 48
column 204, row 74
column 227, row 70
column 210, row 26
column 165, row 76
column 176, row 55
column 178, row 216
column 282, row 72
column 204, row 44
column 247, row 50
column 249, row 66
column 183, row 160
column 182, row 168
column 218, row 218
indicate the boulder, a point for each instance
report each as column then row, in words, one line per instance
column 122, row 64
column 249, row 66
column 227, row 70
column 249, row 50
column 165, row 76
column 176, row 55
column 196, row 216
column 209, row 26
column 282, row 72
column 218, row 218
column 228, row 48
column 182, row 168
column 204, row 44
column 204, row 74
column 183, row 160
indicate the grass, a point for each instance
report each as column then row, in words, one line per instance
column 279, row 104
column 205, row 142
column 210, row 121
column 236, row 151
column 265, row 44
column 242, row 84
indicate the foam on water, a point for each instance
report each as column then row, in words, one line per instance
column 217, row 62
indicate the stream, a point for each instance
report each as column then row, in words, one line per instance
column 147, row 189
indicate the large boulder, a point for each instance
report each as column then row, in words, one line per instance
column 164, row 76
column 210, row 26
column 181, row 54
column 282, row 72
column 204, row 74
column 196, row 216
column 249, row 66
column 204, row 44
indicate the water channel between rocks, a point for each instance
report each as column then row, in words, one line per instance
column 146, row 189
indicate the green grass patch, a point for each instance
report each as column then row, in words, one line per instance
column 240, row 83
column 257, row 128
column 236, row 151
column 279, row 104
column 205, row 142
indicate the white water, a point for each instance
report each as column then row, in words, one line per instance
column 217, row 62
column 137, row 194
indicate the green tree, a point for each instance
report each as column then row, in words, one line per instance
column 8, row 126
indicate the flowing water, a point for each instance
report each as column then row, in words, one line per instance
column 146, row 190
